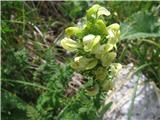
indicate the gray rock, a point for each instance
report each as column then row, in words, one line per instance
column 144, row 106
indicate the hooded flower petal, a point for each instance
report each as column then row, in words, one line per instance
column 114, row 68
column 91, row 12
column 101, row 27
column 83, row 63
column 73, row 31
column 96, row 11
column 103, row 11
column 69, row 44
column 90, row 41
column 113, row 33
column 108, row 58
column 107, row 85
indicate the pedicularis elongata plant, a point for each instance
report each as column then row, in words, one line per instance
column 94, row 45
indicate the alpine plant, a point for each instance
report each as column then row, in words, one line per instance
column 94, row 45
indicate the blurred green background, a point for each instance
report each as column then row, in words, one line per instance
column 34, row 69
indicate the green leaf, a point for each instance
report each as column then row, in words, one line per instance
column 92, row 91
column 101, row 27
column 104, row 109
column 33, row 114
column 140, row 25
column 106, row 85
column 101, row 73
column 11, row 104
column 140, row 35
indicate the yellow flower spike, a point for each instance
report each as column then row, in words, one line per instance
column 101, row 73
column 90, row 41
column 69, row 44
column 73, row 31
column 107, row 58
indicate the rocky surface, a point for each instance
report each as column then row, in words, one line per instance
column 133, row 96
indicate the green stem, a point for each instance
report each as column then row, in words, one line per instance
column 27, row 83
